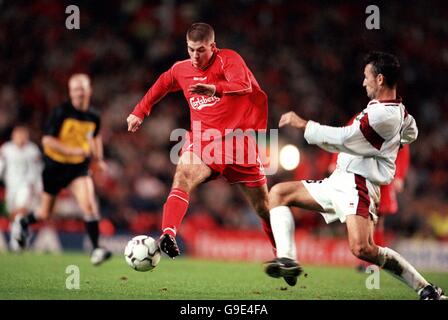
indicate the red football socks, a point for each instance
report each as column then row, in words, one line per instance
column 174, row 210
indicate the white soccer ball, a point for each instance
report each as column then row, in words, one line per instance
column 142, row 253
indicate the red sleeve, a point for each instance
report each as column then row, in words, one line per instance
column 236, row 73
column 165, row 84
column 402, row 162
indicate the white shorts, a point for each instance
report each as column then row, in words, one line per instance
column 22, row 197
column 344, row 193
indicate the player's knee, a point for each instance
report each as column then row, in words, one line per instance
column 43, row 215
column 357, row 250
column 183, row 179
column 277, row 196
column 363, row 251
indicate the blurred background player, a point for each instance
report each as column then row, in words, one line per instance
column 367, row 152
column 71, row 138
column 223, row 94
column 21, row 168
column 388, row 193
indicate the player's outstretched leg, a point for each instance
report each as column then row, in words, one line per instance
column 259, row 198
column 281, row 197
column 285, row 265
column 190, row 172
column 360, row 235
column 174, row 210
column 400, row 268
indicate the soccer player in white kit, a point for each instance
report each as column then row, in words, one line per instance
column 20, row 169
column 367, row 151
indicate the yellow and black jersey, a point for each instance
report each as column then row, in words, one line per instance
column 74, row 128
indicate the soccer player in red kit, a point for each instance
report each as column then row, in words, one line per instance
column 222, row 94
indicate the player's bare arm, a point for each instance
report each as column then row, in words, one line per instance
column 98, row 153
column 56, row 144
column 293, row 120
column 158, row 90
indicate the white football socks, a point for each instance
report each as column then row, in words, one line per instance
column 283, row 227
column 282, row 224
column 400, row 268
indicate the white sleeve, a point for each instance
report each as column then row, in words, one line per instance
column 410, row 132
column 363, row 138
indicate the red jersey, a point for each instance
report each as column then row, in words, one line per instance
column 238, row 103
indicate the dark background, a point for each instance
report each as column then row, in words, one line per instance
column 307, row 56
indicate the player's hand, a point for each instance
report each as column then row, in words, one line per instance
column 202, row 88
column 99, row 166
column 134, row 123
column 293, row 120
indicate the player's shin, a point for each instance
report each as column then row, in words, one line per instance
column 93, row 231
column 283, row 228
column 400, row 268
column 19, row 231
column 268, row 230
column 174, row 211
column 28, row 219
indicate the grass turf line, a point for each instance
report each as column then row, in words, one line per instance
column 43, row 276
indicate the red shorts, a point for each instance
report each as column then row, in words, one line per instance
column 388, row 200
column 235, row 159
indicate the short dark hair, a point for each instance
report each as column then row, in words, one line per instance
column 384, row 63
column 200, row 31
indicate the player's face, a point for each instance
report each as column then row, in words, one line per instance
column 370, row 82
column 20, row 136
column 200, row 52
column 80, row 92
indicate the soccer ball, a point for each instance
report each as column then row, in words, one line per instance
column 142, row 253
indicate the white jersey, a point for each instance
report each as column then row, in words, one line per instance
column 369, row 146
column 20, row 166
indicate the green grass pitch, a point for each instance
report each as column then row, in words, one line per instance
column 43, row 276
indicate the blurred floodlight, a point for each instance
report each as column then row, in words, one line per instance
column 289, row 157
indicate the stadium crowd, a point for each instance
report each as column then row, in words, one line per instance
column 307, row 57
